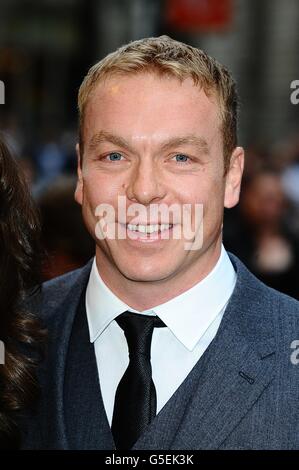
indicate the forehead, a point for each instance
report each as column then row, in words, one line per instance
column 147, row 104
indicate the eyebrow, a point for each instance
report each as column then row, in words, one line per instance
column 191, row 139
column 102, row 137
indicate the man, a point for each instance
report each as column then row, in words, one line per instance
column 163, row 341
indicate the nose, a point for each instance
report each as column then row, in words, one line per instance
column 145, row 185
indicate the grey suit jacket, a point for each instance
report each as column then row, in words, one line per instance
column 242, row 394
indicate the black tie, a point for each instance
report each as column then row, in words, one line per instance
column 135, row 399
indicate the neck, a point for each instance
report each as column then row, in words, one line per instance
column 142, row 295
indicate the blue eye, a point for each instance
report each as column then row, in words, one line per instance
column 114, row 156
column 181, row 158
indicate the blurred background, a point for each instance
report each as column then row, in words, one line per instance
column 46, row 48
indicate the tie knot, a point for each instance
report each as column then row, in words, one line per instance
column 138, row 329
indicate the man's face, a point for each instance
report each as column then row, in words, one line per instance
column 154, row 140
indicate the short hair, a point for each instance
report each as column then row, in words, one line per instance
column 166, row 56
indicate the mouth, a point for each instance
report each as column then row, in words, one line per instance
column 148, row 229
column 149, row 233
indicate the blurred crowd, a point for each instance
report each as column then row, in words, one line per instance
column 50, row 170
column 263, row 230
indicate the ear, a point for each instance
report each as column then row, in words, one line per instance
column 79, row 186
column 234, row 178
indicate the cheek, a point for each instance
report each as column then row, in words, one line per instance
column 210, row 195
column 198, row 191
column 97, row 190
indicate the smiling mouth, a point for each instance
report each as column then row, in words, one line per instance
column 149, row 229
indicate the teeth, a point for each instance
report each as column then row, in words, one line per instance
column 149, row 228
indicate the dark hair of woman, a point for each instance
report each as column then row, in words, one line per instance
column 20, row 268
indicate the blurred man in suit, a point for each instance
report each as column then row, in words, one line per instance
column 163, row 341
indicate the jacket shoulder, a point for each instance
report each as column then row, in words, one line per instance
column 59, row 293
column 287, row 312
column 268, row 302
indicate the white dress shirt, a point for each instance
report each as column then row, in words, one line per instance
column 192, row 320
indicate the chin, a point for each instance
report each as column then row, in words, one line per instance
column 145, row 275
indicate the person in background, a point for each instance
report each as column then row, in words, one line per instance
column 20, row 332
column 260, row 235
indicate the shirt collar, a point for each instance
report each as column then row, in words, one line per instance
column 188, row 315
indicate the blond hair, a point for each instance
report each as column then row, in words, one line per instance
column 166, row 56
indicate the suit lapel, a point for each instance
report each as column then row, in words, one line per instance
column 228, row 379
column 234, row 378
